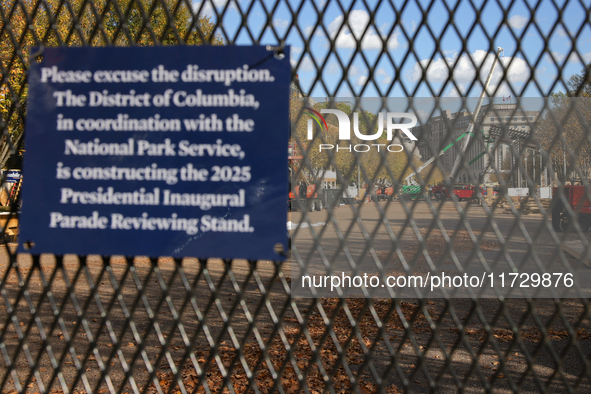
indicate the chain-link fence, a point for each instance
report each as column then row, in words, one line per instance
column 491, row 190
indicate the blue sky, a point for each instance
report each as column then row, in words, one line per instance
column 412, row 44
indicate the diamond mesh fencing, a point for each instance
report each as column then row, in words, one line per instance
column 483, row 174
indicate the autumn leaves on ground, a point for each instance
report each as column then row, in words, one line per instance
column 346, row 338
column 328, row 359
column 255, row 340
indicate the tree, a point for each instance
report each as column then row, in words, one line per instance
column 386, row 170
column 433, row 173
column 563, row 132
column 316, row 161
column 25, row 24
column 580, row 84
column 564, row 128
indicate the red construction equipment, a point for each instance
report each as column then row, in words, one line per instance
column 578, row 202
column 310, row 198
column 385, row 193
column 463, row 191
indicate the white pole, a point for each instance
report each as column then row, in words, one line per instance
column 534, row 165
column 518, row 165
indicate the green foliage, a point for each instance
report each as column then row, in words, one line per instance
column 432, row 173
column 76, row 23
column 580, row 84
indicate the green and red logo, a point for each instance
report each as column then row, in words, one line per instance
column 318, row 118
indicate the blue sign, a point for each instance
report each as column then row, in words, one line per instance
column 161, row 151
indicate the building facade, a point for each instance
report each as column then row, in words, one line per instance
column 442, row 130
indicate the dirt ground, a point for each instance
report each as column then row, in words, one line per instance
column 126, row 325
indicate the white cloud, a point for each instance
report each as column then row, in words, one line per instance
column 308, row 31
column 573, row 58
column 518, row 21
column 210, row 4
column 386, row 78
column 305, row 66
column 558, row 56
column 361, row 80
column 280, row 23
column 334, row 67
column 464, row 72
column 345, row 91
column 453, row 92
column 561, row 31
column 354, row 70
column 410, row 28
column 357, row 23
column 541, row 70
